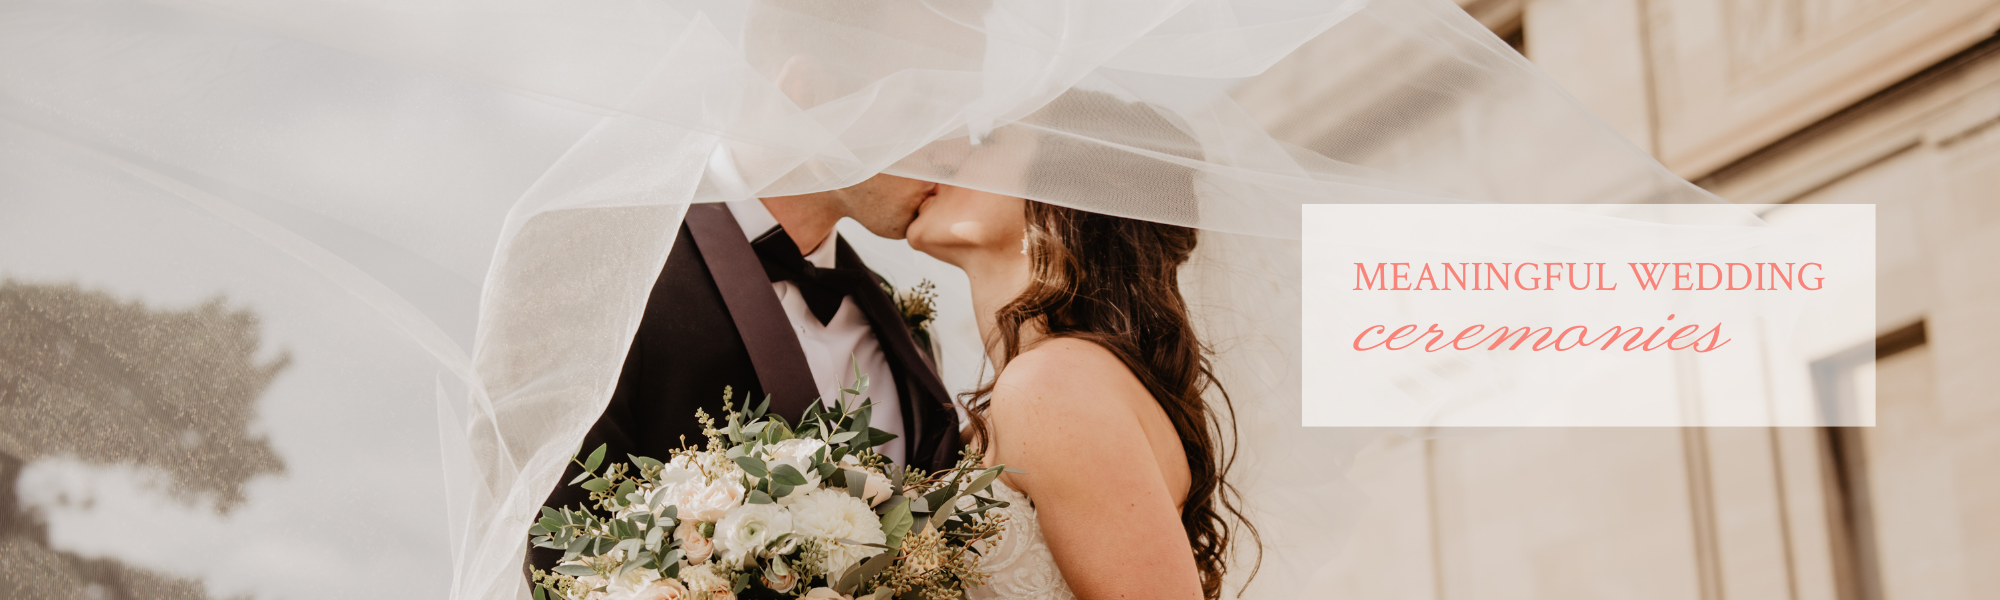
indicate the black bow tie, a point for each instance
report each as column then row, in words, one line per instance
column 823, row 288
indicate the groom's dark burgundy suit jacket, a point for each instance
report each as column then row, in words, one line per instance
column 713, row 321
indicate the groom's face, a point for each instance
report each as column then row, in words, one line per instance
column 885, row 203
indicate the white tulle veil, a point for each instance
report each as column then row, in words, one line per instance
column 462, row 205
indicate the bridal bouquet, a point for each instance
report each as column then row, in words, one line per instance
column 771, row 510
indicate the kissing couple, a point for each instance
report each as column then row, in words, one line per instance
column 1100, row 399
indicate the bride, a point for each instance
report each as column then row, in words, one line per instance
column 1099, row 394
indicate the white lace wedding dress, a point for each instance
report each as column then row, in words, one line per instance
column 1021, row 565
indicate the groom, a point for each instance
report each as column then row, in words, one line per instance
column 763, row 296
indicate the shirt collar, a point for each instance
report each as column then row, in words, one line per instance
column 755, row 220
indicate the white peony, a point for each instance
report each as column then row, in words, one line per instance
column 748, row 528
column 831, row 515
column 705, row 502
column 799, row 454
column 679, row 470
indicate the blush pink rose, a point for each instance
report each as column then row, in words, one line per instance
column 663, row 589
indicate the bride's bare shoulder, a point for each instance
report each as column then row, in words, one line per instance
column 1056, row 376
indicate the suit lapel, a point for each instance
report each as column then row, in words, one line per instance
column 746, row 290
column 901, row 347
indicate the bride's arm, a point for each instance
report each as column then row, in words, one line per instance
column 1065, row 414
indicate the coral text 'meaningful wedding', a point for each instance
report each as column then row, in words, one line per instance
column 1545, row 276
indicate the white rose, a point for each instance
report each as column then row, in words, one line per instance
column 820, row 593
column 748, row 528
column 629, row 585
column 798, row 453
column 696, row 548
column 830, row 515
column 877, row 489
column 706, row 502
column 664, row 589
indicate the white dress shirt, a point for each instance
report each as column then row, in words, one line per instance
column 830, row 347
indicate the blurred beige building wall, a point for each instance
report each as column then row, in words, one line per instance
column 1770, row 103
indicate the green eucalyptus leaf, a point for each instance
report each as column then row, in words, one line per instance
column 877, row 437
column 985, row 479
column 842, row 437
column 896, row 524
column 863, row 572
column 752, row 465
column 857, row 482
column 596, row 458
column 757, row 497
column 938, row 497
column 575, row 570
column 597, row 485
column 787, row 475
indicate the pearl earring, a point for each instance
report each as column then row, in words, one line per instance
column 1024, row 242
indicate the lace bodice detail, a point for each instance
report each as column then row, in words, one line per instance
column 1021, row 565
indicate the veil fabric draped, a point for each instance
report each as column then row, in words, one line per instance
column 455, row 209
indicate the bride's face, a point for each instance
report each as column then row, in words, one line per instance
column 960, row 225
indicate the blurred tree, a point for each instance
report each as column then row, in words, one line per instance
column 109, row 382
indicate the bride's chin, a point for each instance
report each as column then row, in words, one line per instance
column 921, row 238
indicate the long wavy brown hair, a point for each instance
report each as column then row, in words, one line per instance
column 1115, row 282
